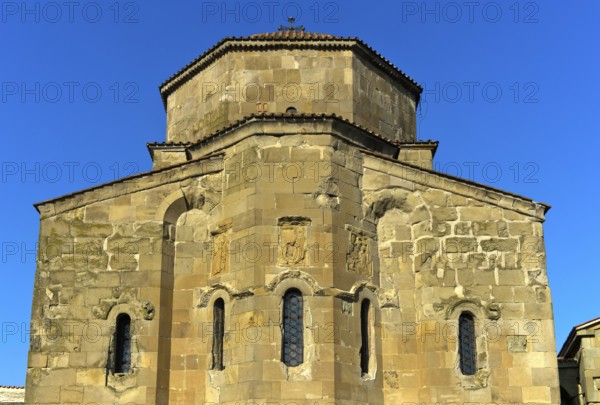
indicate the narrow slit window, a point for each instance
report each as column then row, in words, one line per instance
column 218, row 334
column 123, row 344
column 292, row 345
column 364, row 334
column 467, row 349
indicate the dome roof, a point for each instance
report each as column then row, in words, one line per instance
column 286, row 37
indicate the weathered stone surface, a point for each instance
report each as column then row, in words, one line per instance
column 12, row 395
column 225, row 227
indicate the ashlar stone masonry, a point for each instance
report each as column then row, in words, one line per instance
column 291, row 249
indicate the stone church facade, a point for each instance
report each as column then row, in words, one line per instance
column 291, row 245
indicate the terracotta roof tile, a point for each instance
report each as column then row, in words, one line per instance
column 427, row 142
column 168, row 143
column 288, row 34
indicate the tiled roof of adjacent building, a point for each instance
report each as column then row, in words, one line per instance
column 571, row 342
column 279, row 39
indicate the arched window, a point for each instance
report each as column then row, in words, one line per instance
column 218, row 333
column 467, row 350
column 292, row 345
column 122, row 344
column 364, row 335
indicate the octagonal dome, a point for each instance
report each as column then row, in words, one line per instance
column 294, row 72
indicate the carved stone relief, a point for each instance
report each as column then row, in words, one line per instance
column 358, row 259
column 292, row 241
column 220, row 257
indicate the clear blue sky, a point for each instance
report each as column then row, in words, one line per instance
column 511, row 96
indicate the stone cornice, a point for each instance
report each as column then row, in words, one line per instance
column 131, row 184
column 294, row 124
column 432, row 179
column 262, row 43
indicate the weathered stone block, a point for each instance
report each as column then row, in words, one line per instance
column 504, row 245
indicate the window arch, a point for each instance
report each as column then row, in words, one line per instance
column 218, row 334
column 292, row 345
column 467, row 348
column 365, row 347
column 122, row 344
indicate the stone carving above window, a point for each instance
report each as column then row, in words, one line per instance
column 220, row 248
column 143, row 309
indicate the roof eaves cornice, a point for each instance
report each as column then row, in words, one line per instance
column 263, row 42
